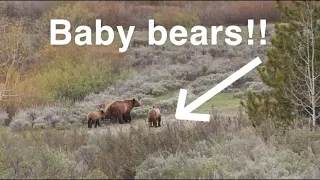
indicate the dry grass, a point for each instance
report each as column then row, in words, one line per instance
column 223, row 148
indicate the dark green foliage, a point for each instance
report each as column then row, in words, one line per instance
column 285, row 62
column 281, row 71
column 266, row 111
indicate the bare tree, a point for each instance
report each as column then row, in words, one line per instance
column 303, row 84
column 11, row 53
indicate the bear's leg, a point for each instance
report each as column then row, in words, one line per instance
column 95, row 123
column 98, row 122
column 113, row 119
column 159, row 121
column 125, row 118
column 128, row 118
column 120, row 119
column 155, row 123
column 89, row 123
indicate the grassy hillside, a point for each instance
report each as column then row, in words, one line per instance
column 224, row 102
column 45, row 132
column 156, row 73
column 226, row 147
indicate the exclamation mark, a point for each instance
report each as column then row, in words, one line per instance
column 250, row 31
column 263, row 24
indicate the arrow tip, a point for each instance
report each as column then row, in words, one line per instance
column 257, row 60
column 184, row 113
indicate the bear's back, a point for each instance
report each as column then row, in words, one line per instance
column 153, row 113
column 122, row 106
column 93, row 115
column 157, row 111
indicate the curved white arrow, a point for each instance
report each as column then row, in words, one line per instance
column 184, row 113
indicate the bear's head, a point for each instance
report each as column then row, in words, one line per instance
column 102, row 114
column 136, row 103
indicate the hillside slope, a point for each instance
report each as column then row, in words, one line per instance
column 158, row 74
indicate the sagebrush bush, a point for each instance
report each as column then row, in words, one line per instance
column 300, row 140
column 221, row 148
column 129, row 148
column 21, row 157
column 141, row 112
column 86, row 156
column 204, row 83
column 20, row 124
column 255, row 86
column 52, row 116
column 239, row 94
column 246, row 157
column 47, row 116
column 3, row 117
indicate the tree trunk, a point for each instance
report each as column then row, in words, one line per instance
column 313, row 113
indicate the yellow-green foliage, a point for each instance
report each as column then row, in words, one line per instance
column 67, row 73
column 13, row 52
column 176, row 17
column 187, row 19
column 75, row 12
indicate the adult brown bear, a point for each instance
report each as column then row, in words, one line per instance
column 154, row 117
column 121, row 110
column 94, row 117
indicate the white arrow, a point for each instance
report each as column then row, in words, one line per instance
column 184, row 113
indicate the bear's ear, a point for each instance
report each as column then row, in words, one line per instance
column 134, row 99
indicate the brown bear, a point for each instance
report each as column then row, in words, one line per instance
column 154, row 117
column 94, row 117
column 121, row 110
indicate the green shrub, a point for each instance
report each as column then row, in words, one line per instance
column 187, row 19
column 74, row 81
column 175, row 17
column 299, row 140
column 68, row 74
column 246, row 157
column 76, row 13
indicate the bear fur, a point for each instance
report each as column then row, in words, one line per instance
column 121, row 110
column 94, row 117
column 154, row 117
